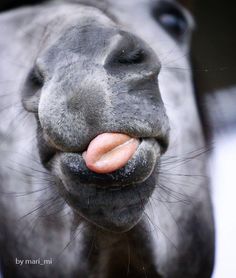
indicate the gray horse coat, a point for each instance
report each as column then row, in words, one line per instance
column 69, row 73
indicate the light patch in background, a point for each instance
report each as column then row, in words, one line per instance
column 223, row 173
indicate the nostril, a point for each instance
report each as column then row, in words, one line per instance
column 32, row 90
column 130, row 53
column 36, row 77
column 135, row 56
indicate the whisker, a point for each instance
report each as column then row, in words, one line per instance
column 160, row 230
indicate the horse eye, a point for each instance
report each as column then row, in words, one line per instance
column 171, row 19
column 174, row 24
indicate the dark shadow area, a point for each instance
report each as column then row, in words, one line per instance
column 10, row 4
column 214, row 44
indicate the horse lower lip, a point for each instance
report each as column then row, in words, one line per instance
column 71, row 169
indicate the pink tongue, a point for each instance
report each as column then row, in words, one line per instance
column 109, row 152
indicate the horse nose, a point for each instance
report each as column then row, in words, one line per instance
column 132, row 55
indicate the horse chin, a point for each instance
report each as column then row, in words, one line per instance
column 114, row 209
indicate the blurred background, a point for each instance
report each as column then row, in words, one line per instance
column 214, row 59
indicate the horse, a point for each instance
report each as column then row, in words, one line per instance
column 103, row 169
